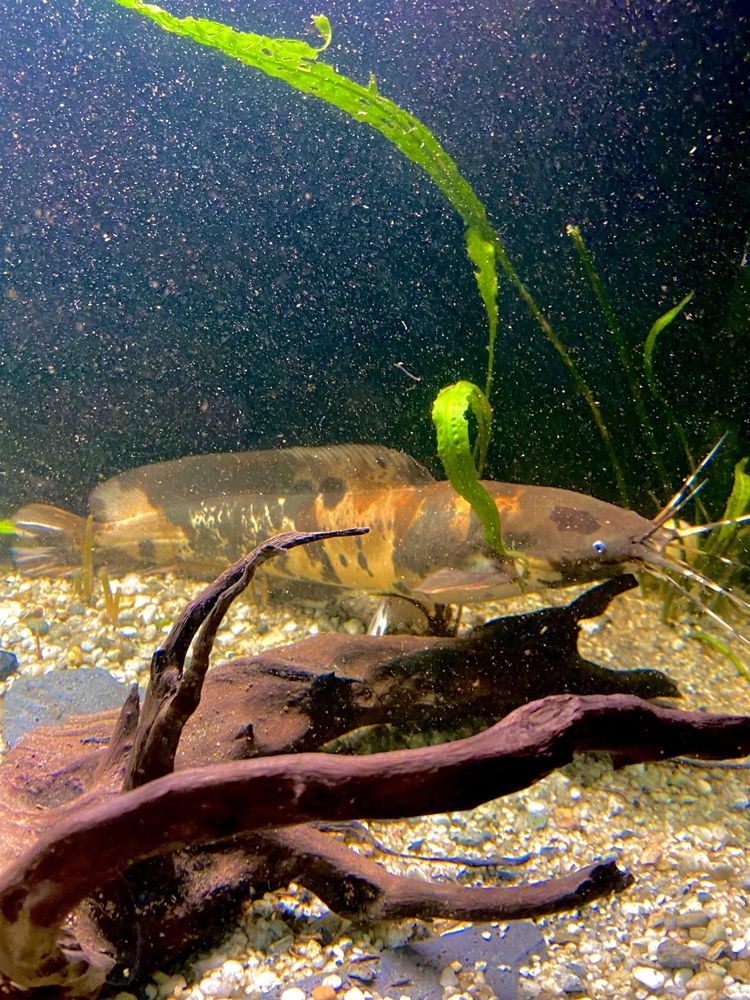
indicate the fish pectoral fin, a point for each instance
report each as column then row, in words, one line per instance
column 396, row 614
column 467, row 586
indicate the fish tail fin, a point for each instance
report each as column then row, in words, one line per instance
column 48, row 540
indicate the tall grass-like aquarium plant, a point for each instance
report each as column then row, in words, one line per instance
column 463, row 413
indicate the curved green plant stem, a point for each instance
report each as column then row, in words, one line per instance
column 715, row 643
column 463, row 464
column 580, row 383
column 297, row 64
column 600, row 294
column 648, row 367
column 482, row 254
column 723, row 541
column 623, row 353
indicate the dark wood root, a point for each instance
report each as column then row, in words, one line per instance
column 174, row 690
column 302, row 696
column 216, row 803
column 97, row 870
column 358, row 888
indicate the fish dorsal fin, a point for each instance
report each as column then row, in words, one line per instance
column 285, row 470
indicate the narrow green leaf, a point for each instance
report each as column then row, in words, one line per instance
column 739, row 499
column 721, row 540
column 450, row 415
column 715, row 643
column 481, row 252
column 323, row 26
column 661, row 324
column 7, row 527
column 295, row 63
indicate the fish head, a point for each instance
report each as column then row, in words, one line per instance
column 553, row 538
column 571, row 538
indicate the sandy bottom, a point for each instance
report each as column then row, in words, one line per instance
column 682, row 929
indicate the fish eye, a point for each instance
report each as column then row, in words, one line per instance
column 599, row 547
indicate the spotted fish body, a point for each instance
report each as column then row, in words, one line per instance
column 200, row 513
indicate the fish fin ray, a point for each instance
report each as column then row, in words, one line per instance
column 452, row 586
column 115, row 500
column 48, row 539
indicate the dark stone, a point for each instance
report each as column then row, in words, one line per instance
column 419, row 965
column 415, row 969
column 673, row 954
column 8, row 664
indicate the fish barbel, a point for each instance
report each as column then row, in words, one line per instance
column 198, row 514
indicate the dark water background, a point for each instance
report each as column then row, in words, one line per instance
column 197, row 258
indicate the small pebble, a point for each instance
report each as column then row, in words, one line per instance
column 705, row 981
column 323, row 992
column 671, row 954
column 572, row 985
column 294, row 993
column 652, row 979
column 536, row 815
column 352, row 626
column 8, row 664
column 739, row 968
column 692, row 918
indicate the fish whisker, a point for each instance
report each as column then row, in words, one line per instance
column 685, row 493
column 695, row 600
column 724, row 560
column 671, row 510
column 682, row 568
column 700, row 529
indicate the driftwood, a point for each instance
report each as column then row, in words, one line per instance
column 118, row 858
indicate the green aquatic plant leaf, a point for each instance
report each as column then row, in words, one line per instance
column 715, row 643
column 296, row 64
column 649, row 346
column 7, row 527
column 722, row 540
column 600, row 293
column 463, row 463
column 481, row 252
column 614, row 329
column 650, row 343
column 323, row 26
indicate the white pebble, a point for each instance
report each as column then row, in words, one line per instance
column 448, row 978
column 212, row 987
column 265, row 979
column 293, row 993
column 149, row 613
column 652, row 979
column 232, row 972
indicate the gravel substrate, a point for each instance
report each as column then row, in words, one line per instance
column 683, row 928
